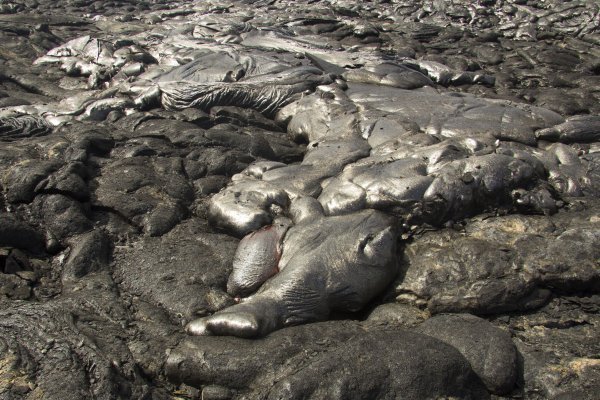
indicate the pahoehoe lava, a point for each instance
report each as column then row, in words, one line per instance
column 299, row 200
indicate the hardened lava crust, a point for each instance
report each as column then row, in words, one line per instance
column 281, row 199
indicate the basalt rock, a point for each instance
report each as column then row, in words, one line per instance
column 489, row 350
column 417, row 158
column 306, row 361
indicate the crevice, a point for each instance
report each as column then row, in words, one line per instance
column 123, row 217
column 65, row 193
column 562, row 324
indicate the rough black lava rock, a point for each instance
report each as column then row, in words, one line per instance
column 140, row 140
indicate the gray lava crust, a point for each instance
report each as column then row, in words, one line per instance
column 299, row 200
